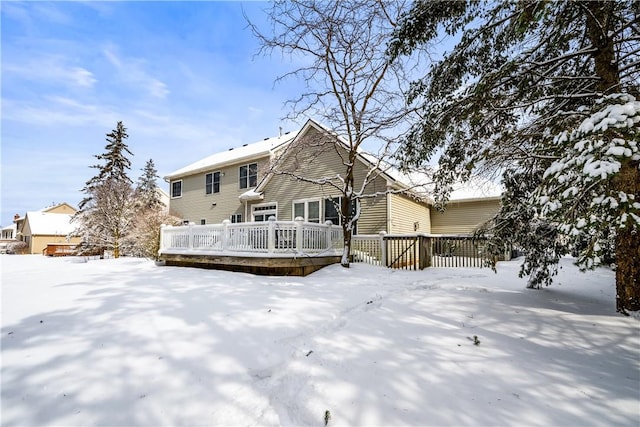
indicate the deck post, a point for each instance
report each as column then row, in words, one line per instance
column 328, row 225
column 271, row 234
column 225, row 235
column 191, row 224
column 383, row 249
column 425, row 251
column 163, row 227
column 299, row 220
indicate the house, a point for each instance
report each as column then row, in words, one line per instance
column 469, row 207
column 9, row 232
column 47, row 226
column 293, row 175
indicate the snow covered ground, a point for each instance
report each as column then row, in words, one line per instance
column 126, row 343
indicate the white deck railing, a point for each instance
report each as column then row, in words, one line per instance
column 275, row 238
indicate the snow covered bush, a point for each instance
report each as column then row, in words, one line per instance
column 144, row 239
column 17, row 248
column 578, row 192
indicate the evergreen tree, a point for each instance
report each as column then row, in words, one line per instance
column 105, row 214
column 542, row 92
column 147, row 188
column 116, row 163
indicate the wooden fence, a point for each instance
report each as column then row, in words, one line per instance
column 419, row 251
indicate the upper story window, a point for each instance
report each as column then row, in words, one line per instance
column 212, row 183
column 176, row 189
column 249, row 175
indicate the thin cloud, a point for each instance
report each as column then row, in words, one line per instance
column 133, row 72
column 82, row 77
column 52, row 70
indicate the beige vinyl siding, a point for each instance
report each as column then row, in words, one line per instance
column 373, row 218
column 195, row 205
column 284, row 189
column 405, row 212
column 62, row 208
column 463, row 217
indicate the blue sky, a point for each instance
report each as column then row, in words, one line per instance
column 182, row 76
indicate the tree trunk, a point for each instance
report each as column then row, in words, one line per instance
column 116, row 245
column 599, row 27
column 628, row 244
column 345, row 209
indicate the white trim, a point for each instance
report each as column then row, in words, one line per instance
column 259, row 205
column 306, row 208
column 248, row 165
column 213, row 182
column 171, row 188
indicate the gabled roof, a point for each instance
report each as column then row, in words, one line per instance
column 386, row 171
column 234, row 155
column 50, row 208
column 420, row 184
column 51, row 224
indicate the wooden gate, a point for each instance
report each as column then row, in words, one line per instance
column 419, row 251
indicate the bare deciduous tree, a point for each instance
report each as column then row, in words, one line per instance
column 339, row 49
column 144, row 239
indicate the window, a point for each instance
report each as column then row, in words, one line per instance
column 176, row 189
column 263, row 212
column 212, row 183
column 203, row 221
column 307, row 209
column 249, row 175
column 332, row 211
column 236, row 218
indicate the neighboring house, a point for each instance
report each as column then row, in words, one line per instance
column 163, row 196
column 49, row 225
column 240, row 185
column 9, row 232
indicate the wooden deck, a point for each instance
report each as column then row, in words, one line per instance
column 277, row 248
column 255, row 265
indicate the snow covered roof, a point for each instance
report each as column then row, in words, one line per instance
column 44, row 223
column 10, row 227
column 474, row 189
column 251, row 195
column 421, row 183
column 234, row 155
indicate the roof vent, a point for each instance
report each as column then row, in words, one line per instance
column 287, row 133
column 244, row 145
column 230, row 148
column 265, row 139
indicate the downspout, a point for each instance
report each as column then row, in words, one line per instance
column 388, row 208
